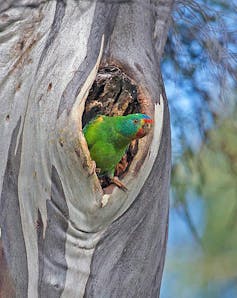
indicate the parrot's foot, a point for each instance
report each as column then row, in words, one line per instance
column 115, row 180
column 121, row 166
column 97, row 170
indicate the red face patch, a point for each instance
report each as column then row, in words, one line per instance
column 147, row 120
column 140, row 133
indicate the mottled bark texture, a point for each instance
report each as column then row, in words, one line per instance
column 62, row 234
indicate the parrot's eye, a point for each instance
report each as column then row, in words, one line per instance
column 146, row 125
column 135, row 121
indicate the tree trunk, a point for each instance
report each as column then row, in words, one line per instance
column 63, row 234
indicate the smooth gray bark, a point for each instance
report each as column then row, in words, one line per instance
column 62, row 236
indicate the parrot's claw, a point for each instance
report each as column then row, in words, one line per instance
column 115, row 180
column 97, row 170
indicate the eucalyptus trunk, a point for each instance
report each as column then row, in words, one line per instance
column 63, row 235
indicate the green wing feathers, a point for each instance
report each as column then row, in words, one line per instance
column 109, row 137
column 99, row 134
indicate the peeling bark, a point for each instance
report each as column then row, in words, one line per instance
column 63, row 236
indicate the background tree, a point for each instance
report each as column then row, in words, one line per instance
column 200, row 77
column 204, row 189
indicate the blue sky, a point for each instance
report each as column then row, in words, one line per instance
column 187, row 107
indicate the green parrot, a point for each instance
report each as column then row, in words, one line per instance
column 109, row 137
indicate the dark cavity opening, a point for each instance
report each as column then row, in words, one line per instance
column 113, row 94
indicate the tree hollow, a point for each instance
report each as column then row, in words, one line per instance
column 114, row 93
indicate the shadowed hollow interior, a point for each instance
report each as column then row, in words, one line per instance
column 113, row 93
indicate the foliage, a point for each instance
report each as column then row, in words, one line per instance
column 199, row 67
column 200, row 74
column 211, row 174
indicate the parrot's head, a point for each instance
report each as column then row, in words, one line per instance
column 136, row 126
